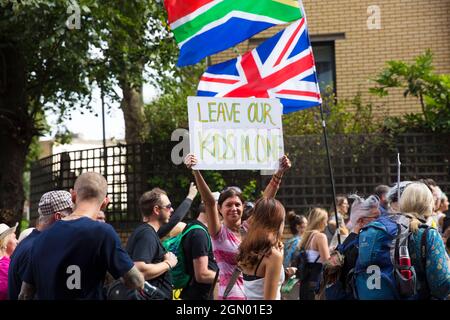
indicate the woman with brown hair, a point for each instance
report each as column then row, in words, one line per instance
column 297, row 225
column 226, row 236
column 343, row 218
column 260, row 254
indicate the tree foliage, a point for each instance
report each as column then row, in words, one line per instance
column 419, row 80
column 342, row 117
column 45, row 66
column 55, row 58
column 168, row 111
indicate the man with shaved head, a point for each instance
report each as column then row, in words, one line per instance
column 70, row 259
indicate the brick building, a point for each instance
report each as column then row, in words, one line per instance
column 352, row 40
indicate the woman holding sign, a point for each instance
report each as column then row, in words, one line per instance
column 227, row 236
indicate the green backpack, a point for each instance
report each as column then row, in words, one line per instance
column 180, row 278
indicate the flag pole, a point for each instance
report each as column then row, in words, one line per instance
column 330, row 169
column 325, row 136
column 398, row 176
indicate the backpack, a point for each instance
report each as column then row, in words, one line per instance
column 307, row 271
column 378, row 272
column 335, row 289
column 180, row 277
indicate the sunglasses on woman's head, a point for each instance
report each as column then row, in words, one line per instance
column 237, row 189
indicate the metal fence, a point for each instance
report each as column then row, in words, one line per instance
column 360, row 162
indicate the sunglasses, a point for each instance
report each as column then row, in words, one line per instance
column 237, row 189
column 167, row 206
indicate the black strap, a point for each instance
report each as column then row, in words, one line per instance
column 423, row 248
column 259, row 263
column 211, row 291
column 425, row 289
column 423, row 258
column 397, row 246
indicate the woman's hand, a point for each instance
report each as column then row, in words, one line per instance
column 290, row 271
column 285, row 164
column 190, row 161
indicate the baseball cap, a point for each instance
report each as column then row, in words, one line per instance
column 54, row 201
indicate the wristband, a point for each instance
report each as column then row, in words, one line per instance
column 170, row 267
column 278, row 176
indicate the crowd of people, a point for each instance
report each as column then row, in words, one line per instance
column 394, row 244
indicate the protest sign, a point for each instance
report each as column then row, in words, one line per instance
column 235, row 133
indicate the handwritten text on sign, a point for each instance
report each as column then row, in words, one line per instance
column 235, row 133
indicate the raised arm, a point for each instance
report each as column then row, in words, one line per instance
column 274, row 184
column 180, row 213
column 207, row 196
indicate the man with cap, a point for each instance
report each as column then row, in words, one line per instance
column 69, row 261
column 53, row 206
column 8, row 243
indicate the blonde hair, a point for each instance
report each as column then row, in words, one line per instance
column 315, row 219
column 4, row 242
column 417, row 201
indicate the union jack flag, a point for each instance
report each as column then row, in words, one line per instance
column 281, row 67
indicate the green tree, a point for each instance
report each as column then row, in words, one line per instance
column 342, row 116
column 419, row 80
column 43, row 66
column 53, row 53
column 135, row 45
column 168, row 111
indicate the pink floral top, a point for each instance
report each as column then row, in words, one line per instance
column 226, row 246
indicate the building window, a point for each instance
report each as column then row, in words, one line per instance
column 325, row 64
